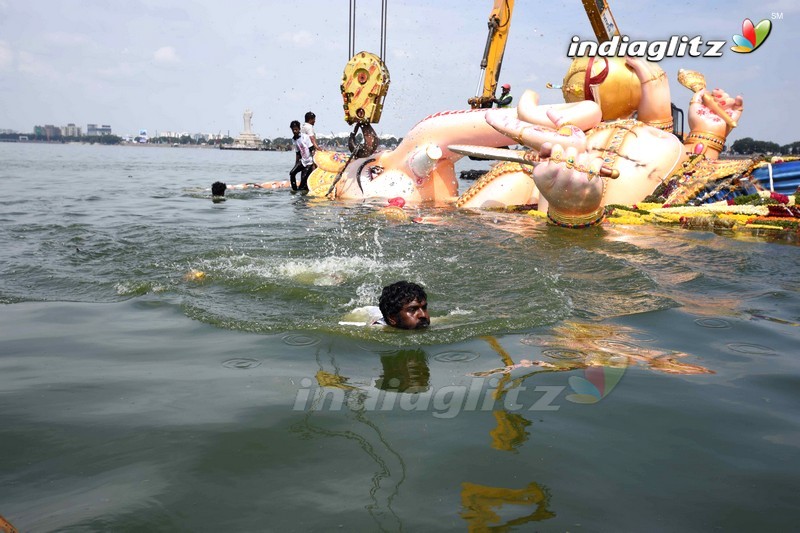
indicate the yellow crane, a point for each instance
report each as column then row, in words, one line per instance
column 603, row 25
column 499, row 24
column 600, row 17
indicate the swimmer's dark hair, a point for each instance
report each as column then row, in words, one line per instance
column 309, row 116
column 294, row 123
column 398, row 294
column 218, row 188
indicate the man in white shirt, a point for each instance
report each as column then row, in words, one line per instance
column 308, row 128
column 304, row 162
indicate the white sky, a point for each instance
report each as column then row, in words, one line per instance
column 195, row 66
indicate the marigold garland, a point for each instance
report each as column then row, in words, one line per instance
column 719, row 215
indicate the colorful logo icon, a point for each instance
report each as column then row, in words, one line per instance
column 599, row 381
column 752, row 36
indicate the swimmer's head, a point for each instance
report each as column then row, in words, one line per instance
column 404, row 305
column 218, row 188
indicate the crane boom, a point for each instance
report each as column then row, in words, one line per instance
column 499, row 24
column 603, row 25
column 601, row 19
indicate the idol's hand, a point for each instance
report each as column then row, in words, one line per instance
column 703, row 118
column 570, row 180
column 533, row 135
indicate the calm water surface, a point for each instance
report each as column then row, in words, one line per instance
column 662, row 394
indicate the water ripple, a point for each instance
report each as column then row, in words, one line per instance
column 300, row 339
column 751, row 349
column 564, row 354
column 719, row 323
column 456, row 356
column 241, row 363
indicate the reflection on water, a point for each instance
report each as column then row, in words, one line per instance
column 576, row 345
column 404, row 371
column 510, row 432
column 605, row 352
column 483, row 506
column 390, row 468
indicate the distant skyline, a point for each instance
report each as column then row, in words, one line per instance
column 196, row 66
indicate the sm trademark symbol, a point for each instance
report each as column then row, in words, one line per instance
column 777, row 16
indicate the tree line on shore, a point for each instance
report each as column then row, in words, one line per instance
column 749, row 146
column 745, row 146
column 276, row 144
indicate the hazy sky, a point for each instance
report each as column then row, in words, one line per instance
column 195, row 66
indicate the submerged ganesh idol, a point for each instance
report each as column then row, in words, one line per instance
column 584, row 154
column 591, row 163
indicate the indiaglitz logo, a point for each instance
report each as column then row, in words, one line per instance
column 621, row 46
column 752, row 36
column 596, row 385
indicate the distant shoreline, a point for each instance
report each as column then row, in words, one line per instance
column 137, row 145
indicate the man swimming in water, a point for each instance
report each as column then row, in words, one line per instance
column 404, row 305
column 218, row 188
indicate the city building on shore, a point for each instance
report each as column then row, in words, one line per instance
column 71, row 130
column 94, row 129
column 48, row 131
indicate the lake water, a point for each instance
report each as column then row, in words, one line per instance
column 663, row 393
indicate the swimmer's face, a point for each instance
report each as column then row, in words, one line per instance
column 413, row 315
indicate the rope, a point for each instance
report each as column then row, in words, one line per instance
column 352, row 34
column 384, row 8
column 351, row 45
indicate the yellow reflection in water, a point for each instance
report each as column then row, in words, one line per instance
column 482, row 503
column 326, row 379
column 576, row 345
column 510, row 431
column 571, row 346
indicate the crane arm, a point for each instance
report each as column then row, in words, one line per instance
column 601, row 19
column 499, row 24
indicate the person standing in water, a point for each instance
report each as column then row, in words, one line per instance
column 308, row 129
column 304, row 162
